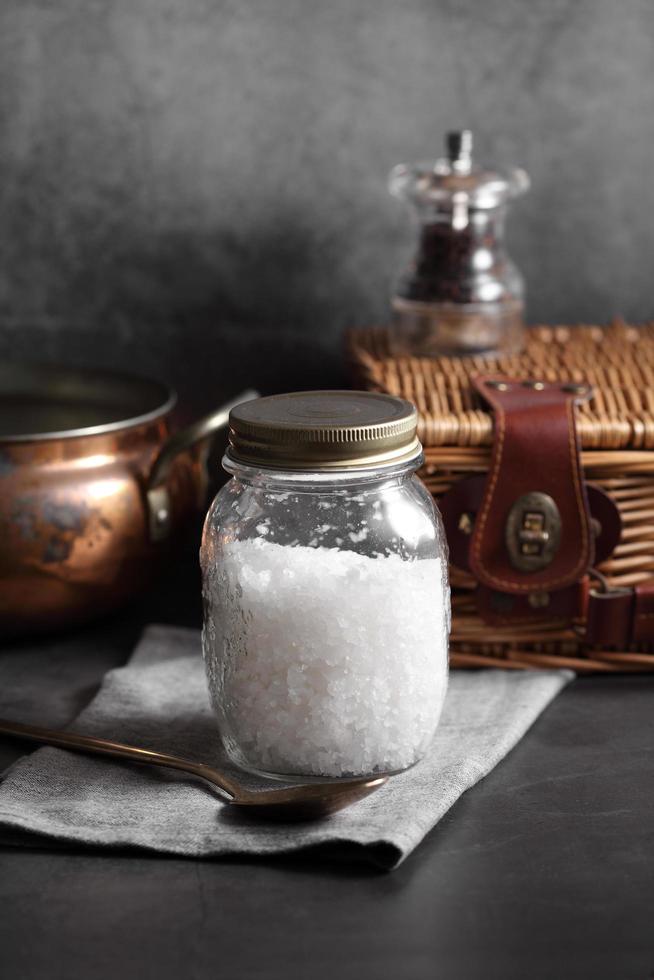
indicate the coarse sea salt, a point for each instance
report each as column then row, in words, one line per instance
column 323, row 661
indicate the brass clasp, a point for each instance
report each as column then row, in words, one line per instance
column 533, row 532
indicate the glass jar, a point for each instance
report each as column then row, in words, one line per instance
column 325, row 588
column 462, row 294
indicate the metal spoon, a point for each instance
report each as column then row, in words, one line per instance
column 300, row 802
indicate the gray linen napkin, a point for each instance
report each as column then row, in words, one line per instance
column 159, row 700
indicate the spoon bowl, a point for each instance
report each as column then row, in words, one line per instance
column 308, row 801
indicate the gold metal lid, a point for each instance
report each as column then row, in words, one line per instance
column 324, row 430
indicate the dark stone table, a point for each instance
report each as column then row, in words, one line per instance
column 544, row 871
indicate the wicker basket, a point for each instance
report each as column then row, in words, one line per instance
column 616, row 431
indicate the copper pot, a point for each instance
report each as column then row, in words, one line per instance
column 94, row 488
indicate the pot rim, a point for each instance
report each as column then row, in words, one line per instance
column 71, row 375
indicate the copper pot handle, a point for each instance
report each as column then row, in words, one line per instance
column 156, row 490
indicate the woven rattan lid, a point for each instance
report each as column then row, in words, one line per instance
column 324, row 430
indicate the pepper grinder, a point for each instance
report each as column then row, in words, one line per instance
column 462, row 294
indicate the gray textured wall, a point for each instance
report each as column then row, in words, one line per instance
column 196, row 188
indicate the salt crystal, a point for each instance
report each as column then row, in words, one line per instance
column 324, row 661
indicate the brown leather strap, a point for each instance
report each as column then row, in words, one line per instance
column 643, row 625
column 535, row 450
column 621, row 618
column 608, row 618
column 504, row 609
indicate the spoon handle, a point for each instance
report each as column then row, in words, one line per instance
column 118, row 750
